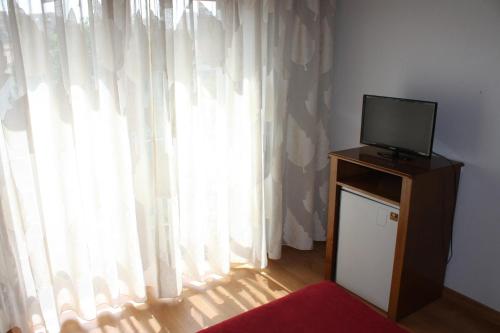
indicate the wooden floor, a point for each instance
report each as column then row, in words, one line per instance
column 246, row 289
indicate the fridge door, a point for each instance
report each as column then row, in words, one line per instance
column 366, row 246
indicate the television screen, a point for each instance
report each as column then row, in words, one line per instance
column 398, row 124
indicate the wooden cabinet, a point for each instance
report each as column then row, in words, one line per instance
column 425, row 192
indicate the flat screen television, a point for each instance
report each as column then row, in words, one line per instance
column 401, row 125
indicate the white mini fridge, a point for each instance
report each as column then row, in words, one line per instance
column 366, row 244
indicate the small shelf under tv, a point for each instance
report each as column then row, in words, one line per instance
column 381, row 185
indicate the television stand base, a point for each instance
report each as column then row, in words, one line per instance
column 395, row 155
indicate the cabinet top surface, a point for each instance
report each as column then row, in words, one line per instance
column 368, row 156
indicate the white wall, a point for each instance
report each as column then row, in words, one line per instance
column 447, row 51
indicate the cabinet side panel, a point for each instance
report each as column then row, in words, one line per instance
column 399, row 254
column 428, row 238
column 332, row 229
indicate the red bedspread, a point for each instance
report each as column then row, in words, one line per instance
column 323, row 307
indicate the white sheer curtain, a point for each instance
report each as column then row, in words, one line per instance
column 143, row 144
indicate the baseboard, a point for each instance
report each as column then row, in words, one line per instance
column 473, row 306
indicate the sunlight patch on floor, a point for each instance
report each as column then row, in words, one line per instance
column 268, row 276
column 213, row 295
column 202, row 305
column 241, row 290
column 229, row 296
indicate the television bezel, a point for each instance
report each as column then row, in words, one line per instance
column 394, row 148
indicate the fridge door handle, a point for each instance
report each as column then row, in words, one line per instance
column 394, row 216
